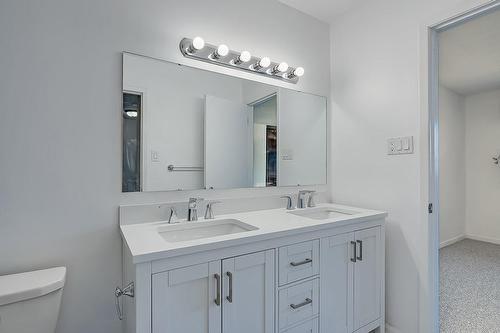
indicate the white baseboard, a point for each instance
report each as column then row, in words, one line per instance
column 483, row 239
column 452, row 240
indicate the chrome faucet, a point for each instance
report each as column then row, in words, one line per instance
column 193, row 209
column 301, row 201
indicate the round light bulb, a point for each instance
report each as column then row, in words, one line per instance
column 264, row 62
column 299, row 71
column 222, row 50
column 245, row 56
column 282, row 67
column 198, row 43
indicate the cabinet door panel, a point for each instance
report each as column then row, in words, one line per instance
column 337, row 284
column 184, row 300
column 248, row 290
column 367, row 277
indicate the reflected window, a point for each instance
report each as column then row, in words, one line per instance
column 131, row 167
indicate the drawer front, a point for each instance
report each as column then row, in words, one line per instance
column 298, row 261
column 310, row 326
column 298, row 303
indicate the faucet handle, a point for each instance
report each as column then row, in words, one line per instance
column 173, row 218
column 289, row 204
column 310, row 202
column 209, row 213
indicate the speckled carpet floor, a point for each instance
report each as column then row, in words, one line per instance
column 470, row 287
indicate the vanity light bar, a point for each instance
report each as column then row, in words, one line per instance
column 221, row 55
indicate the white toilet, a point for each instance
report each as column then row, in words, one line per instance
column 29, row 302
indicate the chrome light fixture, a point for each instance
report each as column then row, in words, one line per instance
column 221, row 55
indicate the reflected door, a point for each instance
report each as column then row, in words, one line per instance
column 228, row 144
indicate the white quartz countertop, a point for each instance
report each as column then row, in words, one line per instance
column 146, row 244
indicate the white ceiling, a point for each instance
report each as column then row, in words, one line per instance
column 469, row 59
column 324, row 10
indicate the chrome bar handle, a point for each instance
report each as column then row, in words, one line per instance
column 217, row 282
column 230, row 296
column 299, row 263
column 306, row 302
column 354, row 246
column 360, row 257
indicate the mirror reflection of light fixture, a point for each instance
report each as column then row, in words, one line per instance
column 196, row 45
column 244, row 56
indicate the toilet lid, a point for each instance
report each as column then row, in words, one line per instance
column 24, row 286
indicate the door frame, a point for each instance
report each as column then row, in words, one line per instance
column 429, row 94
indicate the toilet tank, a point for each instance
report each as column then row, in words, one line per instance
column 30, row 302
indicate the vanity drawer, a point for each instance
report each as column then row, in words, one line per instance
column 297, row 303
column 311, row 326
column 298, row 261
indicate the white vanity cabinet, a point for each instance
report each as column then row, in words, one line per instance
column 216, row 297
column 319, row 278
column 352, row 281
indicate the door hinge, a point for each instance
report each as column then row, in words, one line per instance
column 430, row 208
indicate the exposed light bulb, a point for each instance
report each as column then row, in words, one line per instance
column 197, row 44
column 222, row 51
column 131, row 114
column 282, row 67
column 264, row 62
column 245, row 56
column 299, row 71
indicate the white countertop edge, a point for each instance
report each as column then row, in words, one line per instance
column 219, row 242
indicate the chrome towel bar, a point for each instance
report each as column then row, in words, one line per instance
column 171, row 167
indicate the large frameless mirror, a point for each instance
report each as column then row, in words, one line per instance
column 186, row 128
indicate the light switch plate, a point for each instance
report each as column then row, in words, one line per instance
column 399, row 146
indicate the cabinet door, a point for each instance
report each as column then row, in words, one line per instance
column 248, row 290
column 367, row 277
column 185, row 300
column 337, row 266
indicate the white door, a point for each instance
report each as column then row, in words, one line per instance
column 228, row 144
column 337, row 267
column 186, row 300
column 367, row 277
column 248, row 302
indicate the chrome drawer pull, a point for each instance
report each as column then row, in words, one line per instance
column 217, row 297
column 299, row 263
column 306, row 302
column 230, row 296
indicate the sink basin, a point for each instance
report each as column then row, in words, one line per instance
column 203, row 229
column 323, row 213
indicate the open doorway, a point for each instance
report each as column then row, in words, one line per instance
column 469, row 174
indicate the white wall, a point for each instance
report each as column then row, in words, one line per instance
column 376, row 72
column 482, row 176
column 60, row 128
column 451, row 166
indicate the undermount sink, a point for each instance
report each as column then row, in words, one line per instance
column 324, row 213
column 203, row 229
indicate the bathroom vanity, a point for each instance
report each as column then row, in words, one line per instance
column 307, row 270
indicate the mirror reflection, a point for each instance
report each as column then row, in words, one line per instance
column 186, row 128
